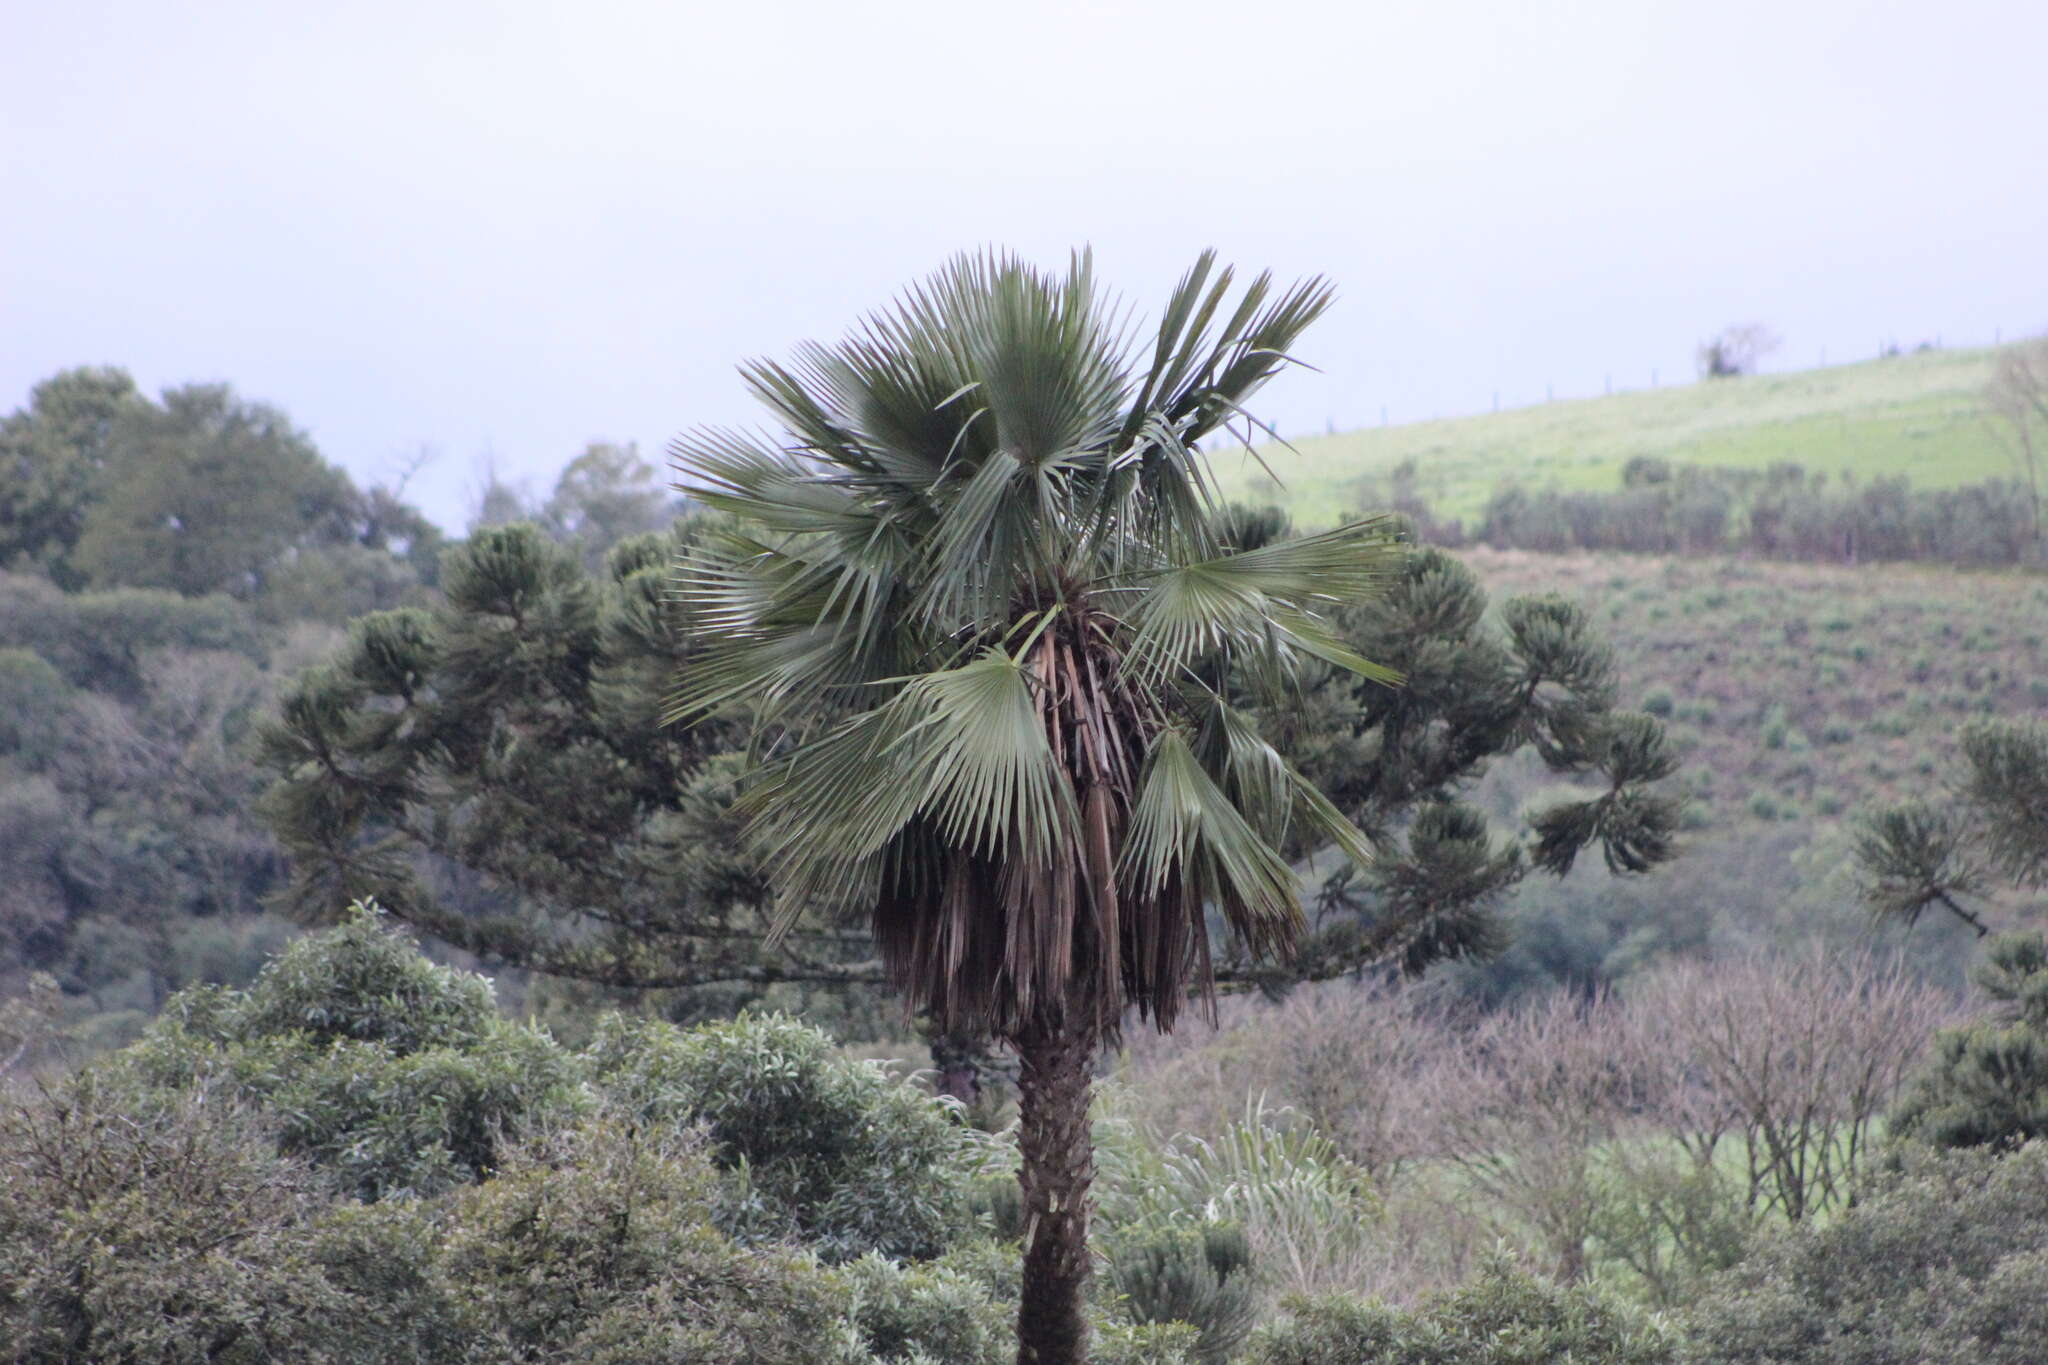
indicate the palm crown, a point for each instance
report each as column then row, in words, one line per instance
column 984, row 552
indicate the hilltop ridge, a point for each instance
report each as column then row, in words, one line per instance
column 1919, row 415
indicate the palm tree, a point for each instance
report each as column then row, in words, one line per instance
column 984, row 553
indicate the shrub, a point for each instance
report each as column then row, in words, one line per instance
column 1946, row 1260
column 1672, row 1217
column 34, row 698
column 1310, row 1213
column 1181, row 1271
column 929, row 1312
column 1503, row 1317
column 166, row 1232
column 1658, row 701
column 1150, row 1343
column 395, row 1074
column 361, row 982
column 834, row 1152
column 1986, row 1084
column 594, row 1245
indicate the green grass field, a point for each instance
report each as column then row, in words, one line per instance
column 1920, row 415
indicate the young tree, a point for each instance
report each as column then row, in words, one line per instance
column 1986, row 1084
column 2018, row 394
column 53, row 463
column 1736, row 350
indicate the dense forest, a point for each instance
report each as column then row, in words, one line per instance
column 392, row 966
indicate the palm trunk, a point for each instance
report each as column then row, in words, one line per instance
column 1057, row 1059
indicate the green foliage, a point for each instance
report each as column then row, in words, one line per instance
column 1503, row 1317
column 594, row 1245
column 360, row 982
column 1545, row 680
column 53, row 463
column 603, row 497
column 1309, row 1214
column 1943, row 1262
column 34, row 706
column 157, row 1232
column 1673, row 1220
column 1197, row 1274
column 395, row 1075
column 1919, row 854
column 133, row 1230
column 1143, row 1343
column 207, row 493
column 960, row 1309
column 927, row 1313
column 834, row 1152
column 1986, row 1084
column 1776, row 513
column 102, row 640
column 511, row 733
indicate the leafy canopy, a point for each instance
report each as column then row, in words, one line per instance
column 984, row 552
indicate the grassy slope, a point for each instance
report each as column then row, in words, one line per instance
column 1919, row 415
column 1799, row 694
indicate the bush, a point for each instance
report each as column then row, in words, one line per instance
column 1986, row 1084
column 834, row 1152
column 34, row 700
column 594, row 1245
column 1945, row 1261
column 1503, row 1317
column 1156, row 1343
column 360, row 982
column 1183, row 1272
column 1671, row 1217
column 930, row 1312
column 396, row 1075
column 1311, row 1215
column 169, row 1232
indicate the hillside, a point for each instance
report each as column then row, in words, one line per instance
column 1799, row 695
column 1919, row 415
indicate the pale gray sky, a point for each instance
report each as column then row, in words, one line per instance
column 510, row 228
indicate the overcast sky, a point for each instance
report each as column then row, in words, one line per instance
column 503, row 230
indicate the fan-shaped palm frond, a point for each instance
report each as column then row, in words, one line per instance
column 985, row 541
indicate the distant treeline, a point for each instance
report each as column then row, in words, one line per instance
column 1782, row 512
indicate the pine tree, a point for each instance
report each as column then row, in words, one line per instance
column 1986, row 1084
column 1990, row 832
column 493, row 771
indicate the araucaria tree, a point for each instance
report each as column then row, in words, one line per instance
column 984, row 555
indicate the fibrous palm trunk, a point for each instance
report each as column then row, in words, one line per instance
column 1056, row 1055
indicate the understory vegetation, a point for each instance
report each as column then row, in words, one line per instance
column 359, row 1156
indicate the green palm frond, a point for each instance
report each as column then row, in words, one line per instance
column 986, row 543
column 1262, row 602
column 1183, row 828
column 962, row 750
